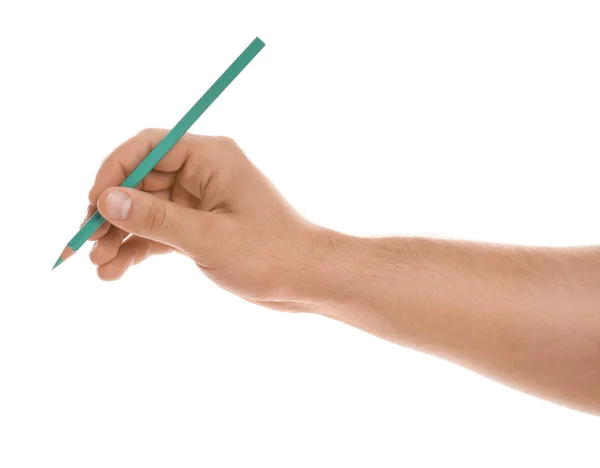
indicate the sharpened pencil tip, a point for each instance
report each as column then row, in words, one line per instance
column 58, row 262
column 65, row 254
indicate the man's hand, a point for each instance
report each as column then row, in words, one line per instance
column 525, row 316
column 206, row 200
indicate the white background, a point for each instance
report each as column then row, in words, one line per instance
column 467, row 119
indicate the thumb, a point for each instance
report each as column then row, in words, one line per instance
column 148, row 216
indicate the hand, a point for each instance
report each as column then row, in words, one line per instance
column 206, row 200
column 526, row 316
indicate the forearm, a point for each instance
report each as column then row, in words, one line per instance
column 529, row 317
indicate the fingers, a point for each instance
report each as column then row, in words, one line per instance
column 157, row 180
column 160, row 220
column 107, row 247
column 125, row 158
column 133, row 251
column 101, row 231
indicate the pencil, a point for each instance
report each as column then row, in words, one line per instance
column 167, row 142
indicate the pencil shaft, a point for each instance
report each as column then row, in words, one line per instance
column 171, row 138
column 192, row 115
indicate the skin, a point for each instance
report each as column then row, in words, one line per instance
column 528, row 317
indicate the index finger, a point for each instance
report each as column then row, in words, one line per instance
column 125, row 158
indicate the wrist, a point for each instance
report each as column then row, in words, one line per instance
column 326, row 277
column 361, row 281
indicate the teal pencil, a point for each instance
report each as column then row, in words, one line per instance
column 168, row 141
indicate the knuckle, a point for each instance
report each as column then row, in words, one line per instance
column 148, row 138
column 226, row 142
column 157, row 215
column 148, row 132
column 224, row 139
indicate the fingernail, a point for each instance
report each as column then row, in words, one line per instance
column 117, row 205
column 93, row 248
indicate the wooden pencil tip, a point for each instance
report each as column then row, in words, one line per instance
column 66, row 253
